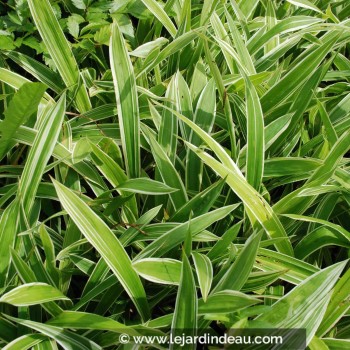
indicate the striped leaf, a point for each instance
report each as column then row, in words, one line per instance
column 204, row 117
column 105, row 242
column 161, row 15
column 257, row 205
column 68, row 340
column 40, row 153
column 164, row 271
column 255, row 137
column 306, row 304
column 186, row 306
column 204, row 271
column 25, row 342
column 32, row 294
column 168, row 129
column 60, row 52
column 127, row 101
column 239, row 271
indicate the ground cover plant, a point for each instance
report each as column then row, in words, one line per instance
column 173, row 165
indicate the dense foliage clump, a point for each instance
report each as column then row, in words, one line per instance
column 178, row 165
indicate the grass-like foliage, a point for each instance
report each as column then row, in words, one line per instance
column 173, row 165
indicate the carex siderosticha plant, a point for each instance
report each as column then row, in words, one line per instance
column 178, row 165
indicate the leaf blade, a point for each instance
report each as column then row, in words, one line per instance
column 127, row 101
column 109, row 247
column 59, row 49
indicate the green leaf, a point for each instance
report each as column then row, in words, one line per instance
column 8, row 228
column 73, row 24
column 81, row 150
column 168, row 172
column 305, row 4
column 178, row 44
column 336, row 344
column 40, row 153
column 27, row 276
column 271, row 21
column 32, row 294
column 223, row 244
column 164, row 271
column 238, row 273
column 183, row 102
column 186, row 306
column 68, row 340
column 318, row 238
column 7, row 43
column 338, row 305
column 134, row 230
column 85, row 320
column 143, row 50
column 336, row 154
column 79, row 4
column 286, row 25
column 161, row 15
column 329, row 129
column 204, row 117
column 337, row 228
column 168, row 128
column 299, row 106
column 59, row 50
column 27, row 135
column 255, row 137
column 295, row 270
column 177, row 235
column 256, row 204
column 146, row 186
column 114, row 174
column 305, row 305
column 297, row 75
column 24, row 103
column 247, row 7
column 240, row 45
column 259, row 280
column 284, row 166
column 16, row 81
column 200, row 203
column 48, row 77
column 127, row 101
column 103, row 35
column 292, row 202
column 225, row 302
column 25, row 342
column 204, row 271
column 104, row 241
column 49, row 250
